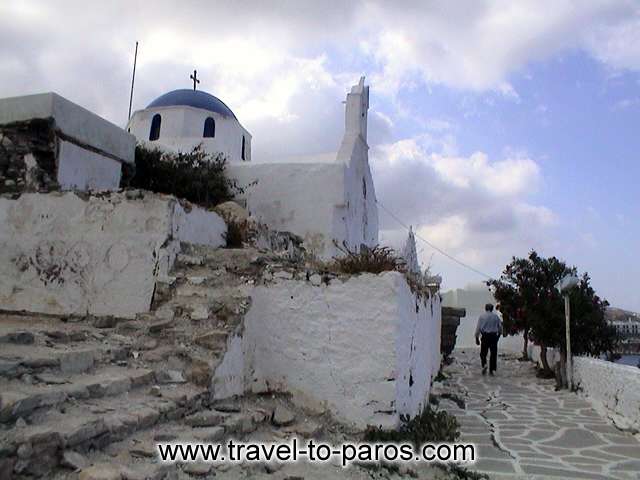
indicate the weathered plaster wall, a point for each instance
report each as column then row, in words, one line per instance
column 199, row 226
column 365, row 348
column 304, row 199
column 613, row 388
column 417, row 348
column 182, row 127
column 323, row 202
column 81, row 169
column 65, row 254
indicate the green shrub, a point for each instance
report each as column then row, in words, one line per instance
column 195, row 176
column 430, row 426
column 370, row 260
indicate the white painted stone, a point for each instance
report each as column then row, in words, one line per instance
column 62, row 254
column 200, row 226
column 533, row 352
column 360, row 347
column 283, row 275
column 229, row 378
column 614, row 389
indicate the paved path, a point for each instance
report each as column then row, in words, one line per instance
column 525, row 429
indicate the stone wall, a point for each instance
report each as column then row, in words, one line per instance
column 450, row 322
column 62, row 253
column 614, row 389
column 49, row 143
column 366, row 348
column 28, row 152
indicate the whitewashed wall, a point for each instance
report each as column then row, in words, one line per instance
column 614, row 389
column 324, row 202
column 64, row 254
column 364, row 348
column 304, row 199
column 81, row 169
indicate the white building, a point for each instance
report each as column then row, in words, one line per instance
column 628, row 328
column 473, row 298
column 182, row 119
column 326, row 200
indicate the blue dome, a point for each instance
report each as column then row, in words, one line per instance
column 192, row 98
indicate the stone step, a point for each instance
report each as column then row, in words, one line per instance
column 137, row 453
column 188, row 260
column 214, row 340
column 21, row 400
column 19, row 360
column 38, row 447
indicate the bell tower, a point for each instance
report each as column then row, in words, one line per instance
column 356, row 110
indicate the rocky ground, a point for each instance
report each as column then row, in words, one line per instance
column 88, row 398
column 523, row 428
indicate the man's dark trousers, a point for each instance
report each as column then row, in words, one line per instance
column 489, row 342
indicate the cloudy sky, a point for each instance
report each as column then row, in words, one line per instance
column 496, row 126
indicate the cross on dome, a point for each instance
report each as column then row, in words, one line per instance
column 194, row 77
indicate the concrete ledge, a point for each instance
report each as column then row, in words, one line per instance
column 73, row 121
column 613, row 388
column 70, row 254
column 366, row 348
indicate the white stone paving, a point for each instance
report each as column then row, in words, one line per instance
column 523, row 428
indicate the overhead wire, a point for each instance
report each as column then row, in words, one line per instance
column 430, row 244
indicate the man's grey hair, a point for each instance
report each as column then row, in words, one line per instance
column 488, row 307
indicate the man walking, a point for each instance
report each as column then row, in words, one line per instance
column 490, row 327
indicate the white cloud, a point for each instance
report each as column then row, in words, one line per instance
column 252, row 52
column 475, row 208
column 626, row 103
column 476, row 45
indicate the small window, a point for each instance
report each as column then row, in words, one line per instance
column 243, row 148
column 154, row 133
column 209, row 128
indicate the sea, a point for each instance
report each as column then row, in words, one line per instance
column 629, row 360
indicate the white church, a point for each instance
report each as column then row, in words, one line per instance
column 327, row 200
column 182, row 119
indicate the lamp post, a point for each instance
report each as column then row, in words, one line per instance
column 563, row 286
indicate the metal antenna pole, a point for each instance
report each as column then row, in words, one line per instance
column 133, row 79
